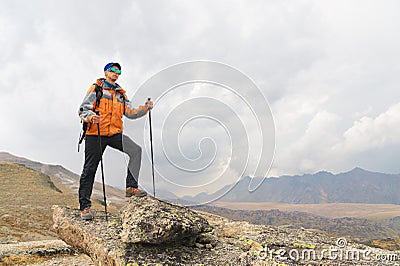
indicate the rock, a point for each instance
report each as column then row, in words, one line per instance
column 150, row 221
column 41, row 253
column 229, row 243
column 207, row 238
column 198, row 245
column 94, row 237
column 102, row 242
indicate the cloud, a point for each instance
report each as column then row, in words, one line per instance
column 311, row 152
column 369, row 133
column 325, row 146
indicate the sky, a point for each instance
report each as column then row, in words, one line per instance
column 324, row 72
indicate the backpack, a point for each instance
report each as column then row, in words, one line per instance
column 99, row 93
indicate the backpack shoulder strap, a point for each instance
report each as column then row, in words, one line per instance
column 98, row 88
column 124, row 98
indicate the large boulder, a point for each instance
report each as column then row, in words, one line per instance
column 151, row 221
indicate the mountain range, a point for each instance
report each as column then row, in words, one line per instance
column 355, row 186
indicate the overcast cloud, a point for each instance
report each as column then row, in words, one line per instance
column 329, row 70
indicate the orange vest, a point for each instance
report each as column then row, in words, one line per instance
column 112, row 106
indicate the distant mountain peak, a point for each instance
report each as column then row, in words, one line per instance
column 359, row 169
column 323, row 172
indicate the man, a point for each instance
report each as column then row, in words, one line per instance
column 104, row 106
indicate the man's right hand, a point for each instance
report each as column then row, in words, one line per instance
column 95, row 119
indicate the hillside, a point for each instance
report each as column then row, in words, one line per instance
column 377, row 212
column 26, row 199
column 355, row 228
column 67, row 181
column 355, row 186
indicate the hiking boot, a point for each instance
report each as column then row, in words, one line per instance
column 131, row 191
column 87, row 214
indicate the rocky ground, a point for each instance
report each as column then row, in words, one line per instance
column 218, row 241
column 41, row 253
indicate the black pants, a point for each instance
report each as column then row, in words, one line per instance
column 92, row 158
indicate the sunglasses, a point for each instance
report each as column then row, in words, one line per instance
column 112, row 69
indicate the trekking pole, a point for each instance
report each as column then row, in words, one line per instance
column 151, row 145
column 102, row 169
